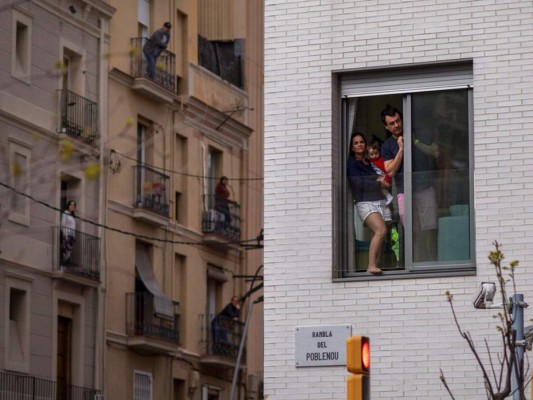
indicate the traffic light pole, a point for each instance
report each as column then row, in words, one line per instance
column 241, row 347
column 518, row 326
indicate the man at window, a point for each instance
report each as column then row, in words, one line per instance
column 425, row 154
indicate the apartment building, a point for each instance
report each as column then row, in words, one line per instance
column 183, row 245
column 460, row 73
column 52, row 124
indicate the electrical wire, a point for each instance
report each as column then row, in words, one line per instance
column 179, row 173
column 123, row 232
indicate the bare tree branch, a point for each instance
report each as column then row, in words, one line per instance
column 443, row 380
column 498, row 376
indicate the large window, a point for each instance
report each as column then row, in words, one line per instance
column 435, row 232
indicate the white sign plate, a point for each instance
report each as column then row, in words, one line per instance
column 321, row 346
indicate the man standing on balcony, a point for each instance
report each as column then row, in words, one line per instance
column 224, row 325
column 154, row 46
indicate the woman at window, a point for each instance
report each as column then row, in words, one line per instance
column 222, row 195
column 370, row 204
column 68, row 232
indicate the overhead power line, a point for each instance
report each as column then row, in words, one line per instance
column 166, row 171
column 123, row 232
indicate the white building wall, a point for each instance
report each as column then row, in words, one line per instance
column 409, row 321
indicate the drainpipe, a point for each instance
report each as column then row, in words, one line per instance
column 100, row 353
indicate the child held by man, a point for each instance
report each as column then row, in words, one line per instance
column 374, row 152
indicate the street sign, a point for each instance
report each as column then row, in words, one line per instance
column 321, row 346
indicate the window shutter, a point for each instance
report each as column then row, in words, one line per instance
column 407, row 79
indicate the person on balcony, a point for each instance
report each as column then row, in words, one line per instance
column 222, row 195
column 154, row 46
column 224, row 323
column 68, row 233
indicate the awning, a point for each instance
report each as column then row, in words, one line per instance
column 163, row 306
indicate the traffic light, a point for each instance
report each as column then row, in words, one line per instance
column 358, row 363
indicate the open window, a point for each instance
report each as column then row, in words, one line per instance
column 437, row 233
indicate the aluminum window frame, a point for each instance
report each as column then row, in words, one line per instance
column 345, row 84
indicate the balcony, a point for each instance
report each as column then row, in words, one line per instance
column 221, row 219
column 15, row 386
column 77, row 255
column 162, row 85
column 79, row 116
column 221, row 337
column 147, row 330
column 151, row 197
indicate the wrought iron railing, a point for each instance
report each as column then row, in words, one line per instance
column 25, row 387
column 222, row 216
column 79, row 116
column 164, row 69
column 151, row 190
column 141, row 319
column 78, row 253
column 222, row 336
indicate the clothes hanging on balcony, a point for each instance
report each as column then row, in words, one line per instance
column 163, row 306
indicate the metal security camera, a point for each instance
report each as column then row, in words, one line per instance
column 485, row 296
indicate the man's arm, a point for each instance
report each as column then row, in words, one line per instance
column 157, row 39
column 392, row 166
column 431, row 149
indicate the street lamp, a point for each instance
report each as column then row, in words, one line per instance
column 483, row 300
column 485, row 296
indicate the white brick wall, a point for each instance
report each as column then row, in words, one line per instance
column 409, row 321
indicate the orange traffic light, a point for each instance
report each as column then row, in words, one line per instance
column 358, row 363
column 358, row 355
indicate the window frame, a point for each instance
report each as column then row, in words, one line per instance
column 150, row 384
column 73, row 76
column 72, row 306
column 342, row 270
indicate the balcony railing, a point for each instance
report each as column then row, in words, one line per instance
column 222, row 336
column 141, row 319
column 165, row 65
column 78, row 253
column 222, row 216
column 151, row 190
column 79, row 116
column 24, row 387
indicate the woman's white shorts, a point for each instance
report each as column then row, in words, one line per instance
column 365, row 208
